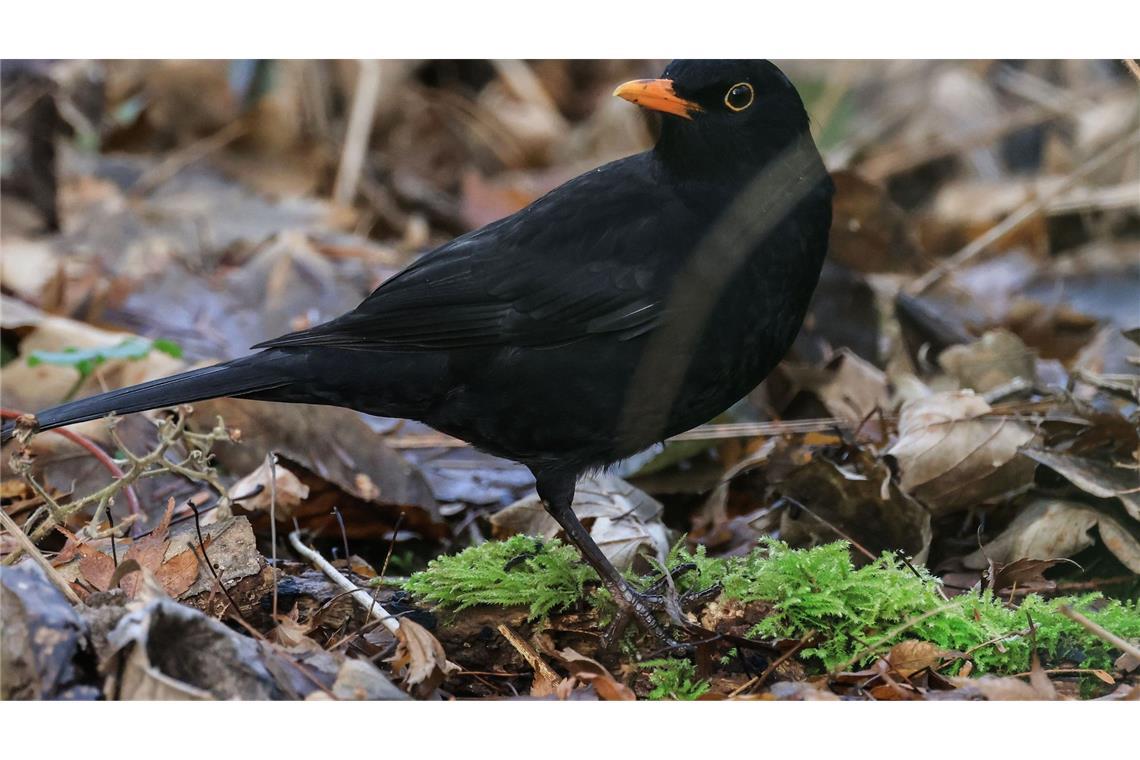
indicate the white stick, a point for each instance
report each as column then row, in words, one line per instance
column 360, row 595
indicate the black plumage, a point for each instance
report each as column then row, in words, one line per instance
column 633, row 302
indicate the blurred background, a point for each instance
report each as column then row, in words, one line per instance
column 986, row 238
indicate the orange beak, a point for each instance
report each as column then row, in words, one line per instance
column 657, row 95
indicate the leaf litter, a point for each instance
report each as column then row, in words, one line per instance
column 947, row 459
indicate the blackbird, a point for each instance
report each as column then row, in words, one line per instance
column 632, row 303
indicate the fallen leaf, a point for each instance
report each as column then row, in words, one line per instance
column 45, row 647
column 1026, row 574
column 909, row 657
column 952, row 456
column 164, row 650
column 592, row 672
column 625, row 519
column 176, row 575
column 1098, row 478
column 420, row 659
column 859, row 502
column 994, row 360
column 849, row 387
column 1056, row 528
column 283, row 491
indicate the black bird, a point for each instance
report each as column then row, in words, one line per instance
column 632, row 303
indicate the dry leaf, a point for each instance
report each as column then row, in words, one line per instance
column 994, row 360
column 176, row 575
column 283, row 491
column 420, row 659
column 1097, row 478
column 625, row 519
column 1026, row 574
column 951, row 456
column 1056, row 528
column 592, row 672
column 909, row 657
column 851, row 500
column 850, row 387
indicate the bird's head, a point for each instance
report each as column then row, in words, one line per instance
column 722, row 114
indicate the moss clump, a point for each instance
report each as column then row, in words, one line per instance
column 820, row 590
column 814, row 589
column 674, row 679
column 521, row 571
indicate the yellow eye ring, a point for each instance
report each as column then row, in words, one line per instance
column 739, row 96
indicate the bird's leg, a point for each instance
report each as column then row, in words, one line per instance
column 557, row 496
column 660, row 595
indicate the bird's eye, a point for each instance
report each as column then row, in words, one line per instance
column 739, row 96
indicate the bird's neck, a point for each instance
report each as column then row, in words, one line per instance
column 709, row 175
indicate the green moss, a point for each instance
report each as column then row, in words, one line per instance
column 854, row 611
column 521, row 571
column 674, row 679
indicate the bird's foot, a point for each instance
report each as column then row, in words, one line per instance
column 661, row 596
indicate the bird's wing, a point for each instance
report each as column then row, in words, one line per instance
column 482, row 290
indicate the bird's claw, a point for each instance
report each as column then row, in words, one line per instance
column 659, row 596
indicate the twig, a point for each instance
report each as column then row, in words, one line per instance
column 206, row 558
column 180, row 159
column 362, row 597
column 391, row 545
column 356, row 136
column 95, row 451
column 537, row 664
column 760, row 679
column 271, row 460
column 1133, row 68
column 193, row 467
column 31, row 550
column 1027, row 211
column 1100, row 632
column 343, row 535
column 835, row 529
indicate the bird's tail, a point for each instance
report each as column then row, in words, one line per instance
column 255, row 374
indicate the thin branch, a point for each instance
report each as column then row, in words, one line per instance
column 1027, row 211
column 1100, row 632
column 362, row 597
column 30, row 549
column 95, row 451
column 184, row 157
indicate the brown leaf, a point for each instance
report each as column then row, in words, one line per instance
column 421, row 658
column 178, row 573
column 284, row 494
column 1056, row 528
column 909, row 657
column 149, row 551
column 1024, row 573
column 849, row 502
column 952, row 456
column 1101, row 479
column 850, row 387
column 592, row 672
column 995, row 359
